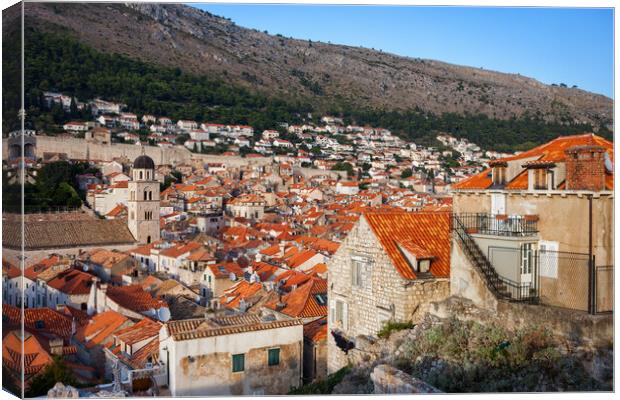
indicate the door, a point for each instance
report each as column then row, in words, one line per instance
column 527, row 260
column 498, row 203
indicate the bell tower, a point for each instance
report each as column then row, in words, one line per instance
column 143, row 203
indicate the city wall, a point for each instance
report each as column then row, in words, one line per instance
column 81, row 149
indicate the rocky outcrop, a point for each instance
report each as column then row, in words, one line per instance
column 389, row 380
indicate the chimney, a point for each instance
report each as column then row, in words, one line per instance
column 585, row 168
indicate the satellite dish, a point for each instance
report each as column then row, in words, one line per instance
column 232, row 276
column 85, row 268
column 152, row 311
column 163, row 314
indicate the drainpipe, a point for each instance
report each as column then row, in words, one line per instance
column 591, row 301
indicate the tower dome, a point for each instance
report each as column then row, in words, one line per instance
column 144, row 162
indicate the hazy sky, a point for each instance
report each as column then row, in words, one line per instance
column 554, row 45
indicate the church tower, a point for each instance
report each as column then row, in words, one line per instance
column 143, row 203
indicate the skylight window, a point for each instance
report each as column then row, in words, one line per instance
column 321, row 298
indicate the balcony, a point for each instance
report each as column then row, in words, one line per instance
column 500, row 224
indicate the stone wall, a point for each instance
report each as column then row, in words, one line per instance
column 82, row 149
column 385, row 295
column 389, row 380
column 577, row 328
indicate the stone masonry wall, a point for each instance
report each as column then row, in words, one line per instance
column 385, row 296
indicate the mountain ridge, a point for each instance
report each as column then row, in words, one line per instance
column 196, row 41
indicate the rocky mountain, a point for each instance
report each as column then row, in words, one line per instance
column 199, row 42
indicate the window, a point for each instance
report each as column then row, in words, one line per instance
column 39, row 324
column 238, row 362
column 273, row 357
column 140, row 174
column 548, row 255
column 321, row 298
column 338, row 313
column 360, row 272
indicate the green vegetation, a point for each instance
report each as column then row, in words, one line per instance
column 462, row 356
column 407, row 172
column 344, row 166
column 55, row 187
column 324, row 386
column 57, row 61
column 55, row 372
column 393, row 326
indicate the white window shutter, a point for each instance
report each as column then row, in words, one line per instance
column 345, row 316
column 332, row 311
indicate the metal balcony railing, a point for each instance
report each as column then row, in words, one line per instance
column 500, row 224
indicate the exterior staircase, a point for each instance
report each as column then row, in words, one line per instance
column 502, row 288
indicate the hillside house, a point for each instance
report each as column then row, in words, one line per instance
column 389, row 268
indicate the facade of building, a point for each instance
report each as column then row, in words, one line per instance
column 389, row 268
column 539, row 218
column 235, row 355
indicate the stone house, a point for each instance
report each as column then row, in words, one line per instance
column 389, row 268
column 536, row 220
column 232, row 355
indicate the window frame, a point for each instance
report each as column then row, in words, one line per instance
column 235, row 366
column 269, row 358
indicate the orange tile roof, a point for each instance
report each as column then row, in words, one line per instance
column 430, row 231
column 133, row 297
column 72, row 281
column 100, row 327
column 36, row 358
column 553, row 151
column 10, row 270
column 142, row 330
column 39, row 319
column 223, row 270
column 292, row 278
column 240, row 291
column 307, row 300
column 316, row 330
column 300, row 258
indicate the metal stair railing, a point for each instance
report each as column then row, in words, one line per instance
column 502, row 288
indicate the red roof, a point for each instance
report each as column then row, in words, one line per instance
column 39, row 319
column 72, row 281
column 307, row 300
column 429, row 231
column 133, row 297
column 100, row 327
column 316, row 330
column 553, row 151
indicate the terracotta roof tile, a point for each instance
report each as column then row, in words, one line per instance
column 430, row 231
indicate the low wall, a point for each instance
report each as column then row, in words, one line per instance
column 389, row 380
column 577, row 328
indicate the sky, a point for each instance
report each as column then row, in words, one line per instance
column 573, row 46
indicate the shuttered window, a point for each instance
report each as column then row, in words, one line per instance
column 273, row 357
column 238, row 362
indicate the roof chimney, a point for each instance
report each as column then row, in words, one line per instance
column 585, row 168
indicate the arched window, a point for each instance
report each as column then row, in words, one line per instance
column 140, row 174
column 145, row 194
column 148, row 239
column 150, row 195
